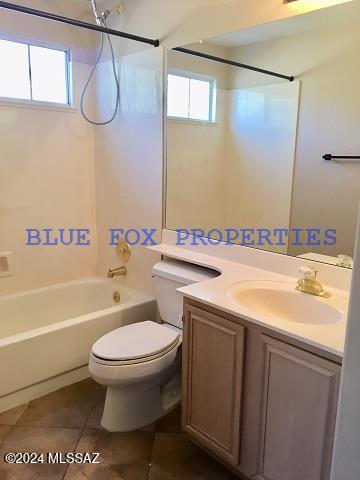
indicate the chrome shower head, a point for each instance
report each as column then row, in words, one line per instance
column 100, row 17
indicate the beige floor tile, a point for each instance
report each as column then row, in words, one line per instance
column 94, row 420
column 10, row 417
column 176, row 458
column 68, row 407
column 107, row 472
column 4, row 430
column 38, row 440
column 54, row 423
column 123, row 456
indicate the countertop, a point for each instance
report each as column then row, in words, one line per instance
column 214, row 292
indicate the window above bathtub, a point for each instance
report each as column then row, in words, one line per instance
column 34, row 74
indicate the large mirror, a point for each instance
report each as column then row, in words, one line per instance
column 245, row 149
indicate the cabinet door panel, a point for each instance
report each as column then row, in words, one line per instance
column 298, row 417
column 212, row 381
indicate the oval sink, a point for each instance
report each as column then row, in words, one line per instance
column 281, row 300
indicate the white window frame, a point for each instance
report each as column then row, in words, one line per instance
column 24, row 102
column 212, row 96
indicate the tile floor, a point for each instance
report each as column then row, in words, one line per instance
column 69, row 420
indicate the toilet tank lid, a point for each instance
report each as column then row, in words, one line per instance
column 183, row 272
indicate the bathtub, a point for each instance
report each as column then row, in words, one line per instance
column 47, row 332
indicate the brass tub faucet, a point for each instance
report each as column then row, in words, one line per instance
column 117, row 272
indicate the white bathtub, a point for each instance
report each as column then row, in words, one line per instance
column 47, row 332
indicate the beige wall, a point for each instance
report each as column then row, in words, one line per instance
column 129, row 161
column 47, row 172
column 258, row 161
column 326, row 194
column 218, row 174
column 195, row 162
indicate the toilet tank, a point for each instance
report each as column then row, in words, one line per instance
column 169, row 275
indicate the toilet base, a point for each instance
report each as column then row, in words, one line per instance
column 128, row 409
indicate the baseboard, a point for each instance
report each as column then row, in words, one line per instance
column 40, row 389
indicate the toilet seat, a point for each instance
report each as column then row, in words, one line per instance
column 135, row 343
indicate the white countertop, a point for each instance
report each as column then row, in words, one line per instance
column 213, row 292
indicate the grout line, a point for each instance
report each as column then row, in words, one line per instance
column 151, row 452
column 151, row 455
column 14, row 425
column 81, row 433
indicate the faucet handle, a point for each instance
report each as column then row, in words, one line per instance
column 309, row 273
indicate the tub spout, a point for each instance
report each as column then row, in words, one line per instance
column 117, row 272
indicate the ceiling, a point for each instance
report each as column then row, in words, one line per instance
column 80, row 9
column 324, row 18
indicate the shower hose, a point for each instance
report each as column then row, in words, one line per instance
column 116, row 80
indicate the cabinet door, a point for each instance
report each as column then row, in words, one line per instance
column 300, row 393
column 213, row 349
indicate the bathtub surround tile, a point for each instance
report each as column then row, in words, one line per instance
column 10, row 417
column 39, row 440
column 123, row 456
column 171, row 423
column 176, row 458
column 67, row 407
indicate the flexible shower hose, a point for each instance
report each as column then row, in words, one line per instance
column 117, row 84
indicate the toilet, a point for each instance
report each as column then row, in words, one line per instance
column 140, row 364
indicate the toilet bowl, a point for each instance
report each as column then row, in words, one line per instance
column 136, row 363
column 140, row 364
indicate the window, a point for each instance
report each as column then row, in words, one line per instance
column 191, row 98
column 30, row 72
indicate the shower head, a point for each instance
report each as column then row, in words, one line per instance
column 100, row 17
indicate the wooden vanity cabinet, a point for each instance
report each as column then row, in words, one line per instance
column 298, row 414
column 261, row 402
column 213, row 363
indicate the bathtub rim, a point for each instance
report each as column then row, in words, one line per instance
column 135, row 298
column 79, row 281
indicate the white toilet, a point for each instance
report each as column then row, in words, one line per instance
column 141, row 363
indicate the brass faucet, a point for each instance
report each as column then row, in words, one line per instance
column 117, row 272
column 309, row 284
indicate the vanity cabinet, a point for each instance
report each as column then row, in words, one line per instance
column 298, row 413
column 260, row 401
column 213, row 363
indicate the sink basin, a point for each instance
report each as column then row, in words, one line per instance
column 282, row 301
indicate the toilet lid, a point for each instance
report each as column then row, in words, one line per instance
column 138, row 340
